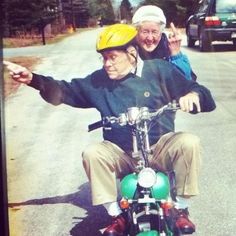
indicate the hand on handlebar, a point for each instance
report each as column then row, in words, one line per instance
column 189, row 101
column 18, row 73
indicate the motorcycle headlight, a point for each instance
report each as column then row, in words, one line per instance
column 147, row 178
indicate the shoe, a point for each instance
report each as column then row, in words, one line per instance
column 182, row 222
column 118, row 227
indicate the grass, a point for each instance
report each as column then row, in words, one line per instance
column 33, row 40
column 10, row 86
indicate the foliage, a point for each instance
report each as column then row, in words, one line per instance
column 102, row 9
column 125, row 10
column 75, row 12
column 27, row 14
column 176, row 11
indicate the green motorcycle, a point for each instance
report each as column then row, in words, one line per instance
column 147, row 194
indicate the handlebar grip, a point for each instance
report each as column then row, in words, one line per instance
column 95, row 125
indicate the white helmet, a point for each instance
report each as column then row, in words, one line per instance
column 149, row 13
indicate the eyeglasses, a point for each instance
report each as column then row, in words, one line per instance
column 153, row 33
column 112, row 58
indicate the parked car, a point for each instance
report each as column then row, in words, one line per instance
column 214, row 20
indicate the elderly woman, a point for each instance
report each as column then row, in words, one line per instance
column 150, row 22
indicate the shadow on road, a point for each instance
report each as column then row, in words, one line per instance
column 96, row 217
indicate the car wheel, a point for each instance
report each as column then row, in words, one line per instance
column 204, row 42
column 234, row 42
column 190, row 40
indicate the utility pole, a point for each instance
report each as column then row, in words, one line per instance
column 42, row 26
column 60, row 15
column 73, row 15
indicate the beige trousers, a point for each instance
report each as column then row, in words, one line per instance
column 105, row 162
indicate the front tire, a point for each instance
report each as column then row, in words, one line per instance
column 234, row 43
column 204, row 42
column 190, row 40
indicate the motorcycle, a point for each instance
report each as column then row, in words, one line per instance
column 147, row 194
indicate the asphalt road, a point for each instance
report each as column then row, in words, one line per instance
column 48, row 191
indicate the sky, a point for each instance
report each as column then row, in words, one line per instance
column 135, row 2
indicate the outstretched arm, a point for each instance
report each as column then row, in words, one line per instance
column 51, row 90
column 18, row 72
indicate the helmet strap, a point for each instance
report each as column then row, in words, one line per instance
column 133, row 53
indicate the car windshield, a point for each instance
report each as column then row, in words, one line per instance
column 228, row 6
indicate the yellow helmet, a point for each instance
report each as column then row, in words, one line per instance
column 117, row 36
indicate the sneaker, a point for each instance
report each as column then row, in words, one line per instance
column 118, row 227
column 182, row 222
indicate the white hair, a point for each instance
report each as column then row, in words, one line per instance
column 149, row 13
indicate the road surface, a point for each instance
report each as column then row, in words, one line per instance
column 48, row 191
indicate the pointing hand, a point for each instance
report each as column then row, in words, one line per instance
column 18, row 73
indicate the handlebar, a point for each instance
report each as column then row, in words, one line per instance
column 133, row 116
column 105, row 122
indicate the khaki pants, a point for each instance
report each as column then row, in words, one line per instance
column 105, row 162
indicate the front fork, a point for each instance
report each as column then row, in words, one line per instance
column 157, row 221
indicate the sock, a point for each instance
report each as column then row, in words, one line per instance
column 181, row 203
column 113, row 208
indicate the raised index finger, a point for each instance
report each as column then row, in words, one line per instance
column 7, row 63
column 174, row 30
column 12, row 66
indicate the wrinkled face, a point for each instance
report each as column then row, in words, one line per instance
column 149, row 35
column 117, row 63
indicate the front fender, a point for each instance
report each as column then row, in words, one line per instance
column 149, row 233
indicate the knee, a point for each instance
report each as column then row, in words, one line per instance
column 90, row 153
column 189, row 141
column 188, row 158
column 190, row 151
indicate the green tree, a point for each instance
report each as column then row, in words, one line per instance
column 176, row 11
column 75, row 12
column 102, row 9
column 125, row 10
column 27, row 14
column 190, row 6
